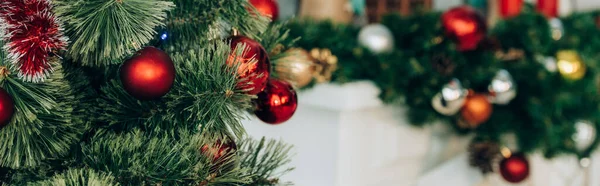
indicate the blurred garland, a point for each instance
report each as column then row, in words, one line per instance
column 547, row 106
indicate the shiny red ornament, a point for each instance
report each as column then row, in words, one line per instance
column 548, row 8
column 476, row 110
column 218, row 151
column 253, row 64
column 277, row 103
column 267, row 8
column 33, row 35
column 465, row 25
column 510, row 8
column 7, row 108
column 515, row 168
column 148, row 75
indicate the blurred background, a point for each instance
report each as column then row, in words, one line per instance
column 345, row 135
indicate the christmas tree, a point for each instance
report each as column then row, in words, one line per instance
column 136, row 92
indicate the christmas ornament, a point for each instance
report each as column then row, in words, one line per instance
column 33, row 36
column 7, row 107
column 464, row 25
column 548, row 8
column 556, row 28
column 450, row 100
column 377, row 38
column 482, row 154
column 297, row 67
column 549, row 62
column 253, row 64
column 218, row 151
column 514, row 168
column 267, row 8
column 503, row 88
column 585, row 135
column 510, row 8
column 326, row 64
column 570, row 65
column 277, row 103
column 148, row 75
column 443, row 65
column 476, row 110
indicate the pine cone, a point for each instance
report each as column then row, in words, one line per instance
column 483, row 155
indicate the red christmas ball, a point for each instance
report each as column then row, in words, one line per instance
column 218, row 150
column 253, row 64
column 7, row 108
column 548, row 8
column 465, row 25
column 515, row 168
column 510, row 8
column 277, row 103
column 148, row 75
column 267, row 8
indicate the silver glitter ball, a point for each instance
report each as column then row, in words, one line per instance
column 451, row 99
column 377, row 38
column 503, row 88
column 585, row 135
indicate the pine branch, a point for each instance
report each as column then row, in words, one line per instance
column 42, row 126
column 104, row 32
column 79, row 177
column 265, row 159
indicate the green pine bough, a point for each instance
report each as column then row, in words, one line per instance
column 543, row 114
column 80, row 127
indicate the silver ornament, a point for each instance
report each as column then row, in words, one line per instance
column 556, row 29
column 549, row 63
column 450, row 99
column 503, row 88
column 377, row 38
column 585, row 135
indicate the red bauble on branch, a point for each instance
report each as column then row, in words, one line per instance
column 510, row 8
column 7, row 108
column 218, row 150
column 148, row 75
column 549, row 8
column 267, row 8
column 277, row 103
column 34, row 34
column 253, row 64
column 515, row 168
column 465, row 25
column 476, row 110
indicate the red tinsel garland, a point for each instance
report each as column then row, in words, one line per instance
column 33, row 34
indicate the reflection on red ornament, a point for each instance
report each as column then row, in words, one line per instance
column 548, row 8
column 510, row 8
column 148, row 75
column 277, row 103
column 253, row 64
column 465, row 25
column 515, row 168
column 267, row 8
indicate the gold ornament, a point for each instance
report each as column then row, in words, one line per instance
column 297, row 67
column 570, row 65
column 326, row 64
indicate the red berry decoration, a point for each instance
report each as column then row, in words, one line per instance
column 515, row 168
column 254, row 65
column 218, row 150
column 465, row 25
column 7, row 108
column 148, row 75
column 267, row 8
column 277, row 103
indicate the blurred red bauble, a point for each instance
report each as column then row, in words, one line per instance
column 465, row 25
column 515, row 168
column 7, row 108
column 254, row 65
column 219, row 150
column 148, row 75
column 267, row 8
column 277, row 103
column 510, row 8
column 476, row 110
column 549, row 8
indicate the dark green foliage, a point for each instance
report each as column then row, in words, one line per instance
column 104, row 32
column 79, row 177
column 542, row 115
column 264, row 158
